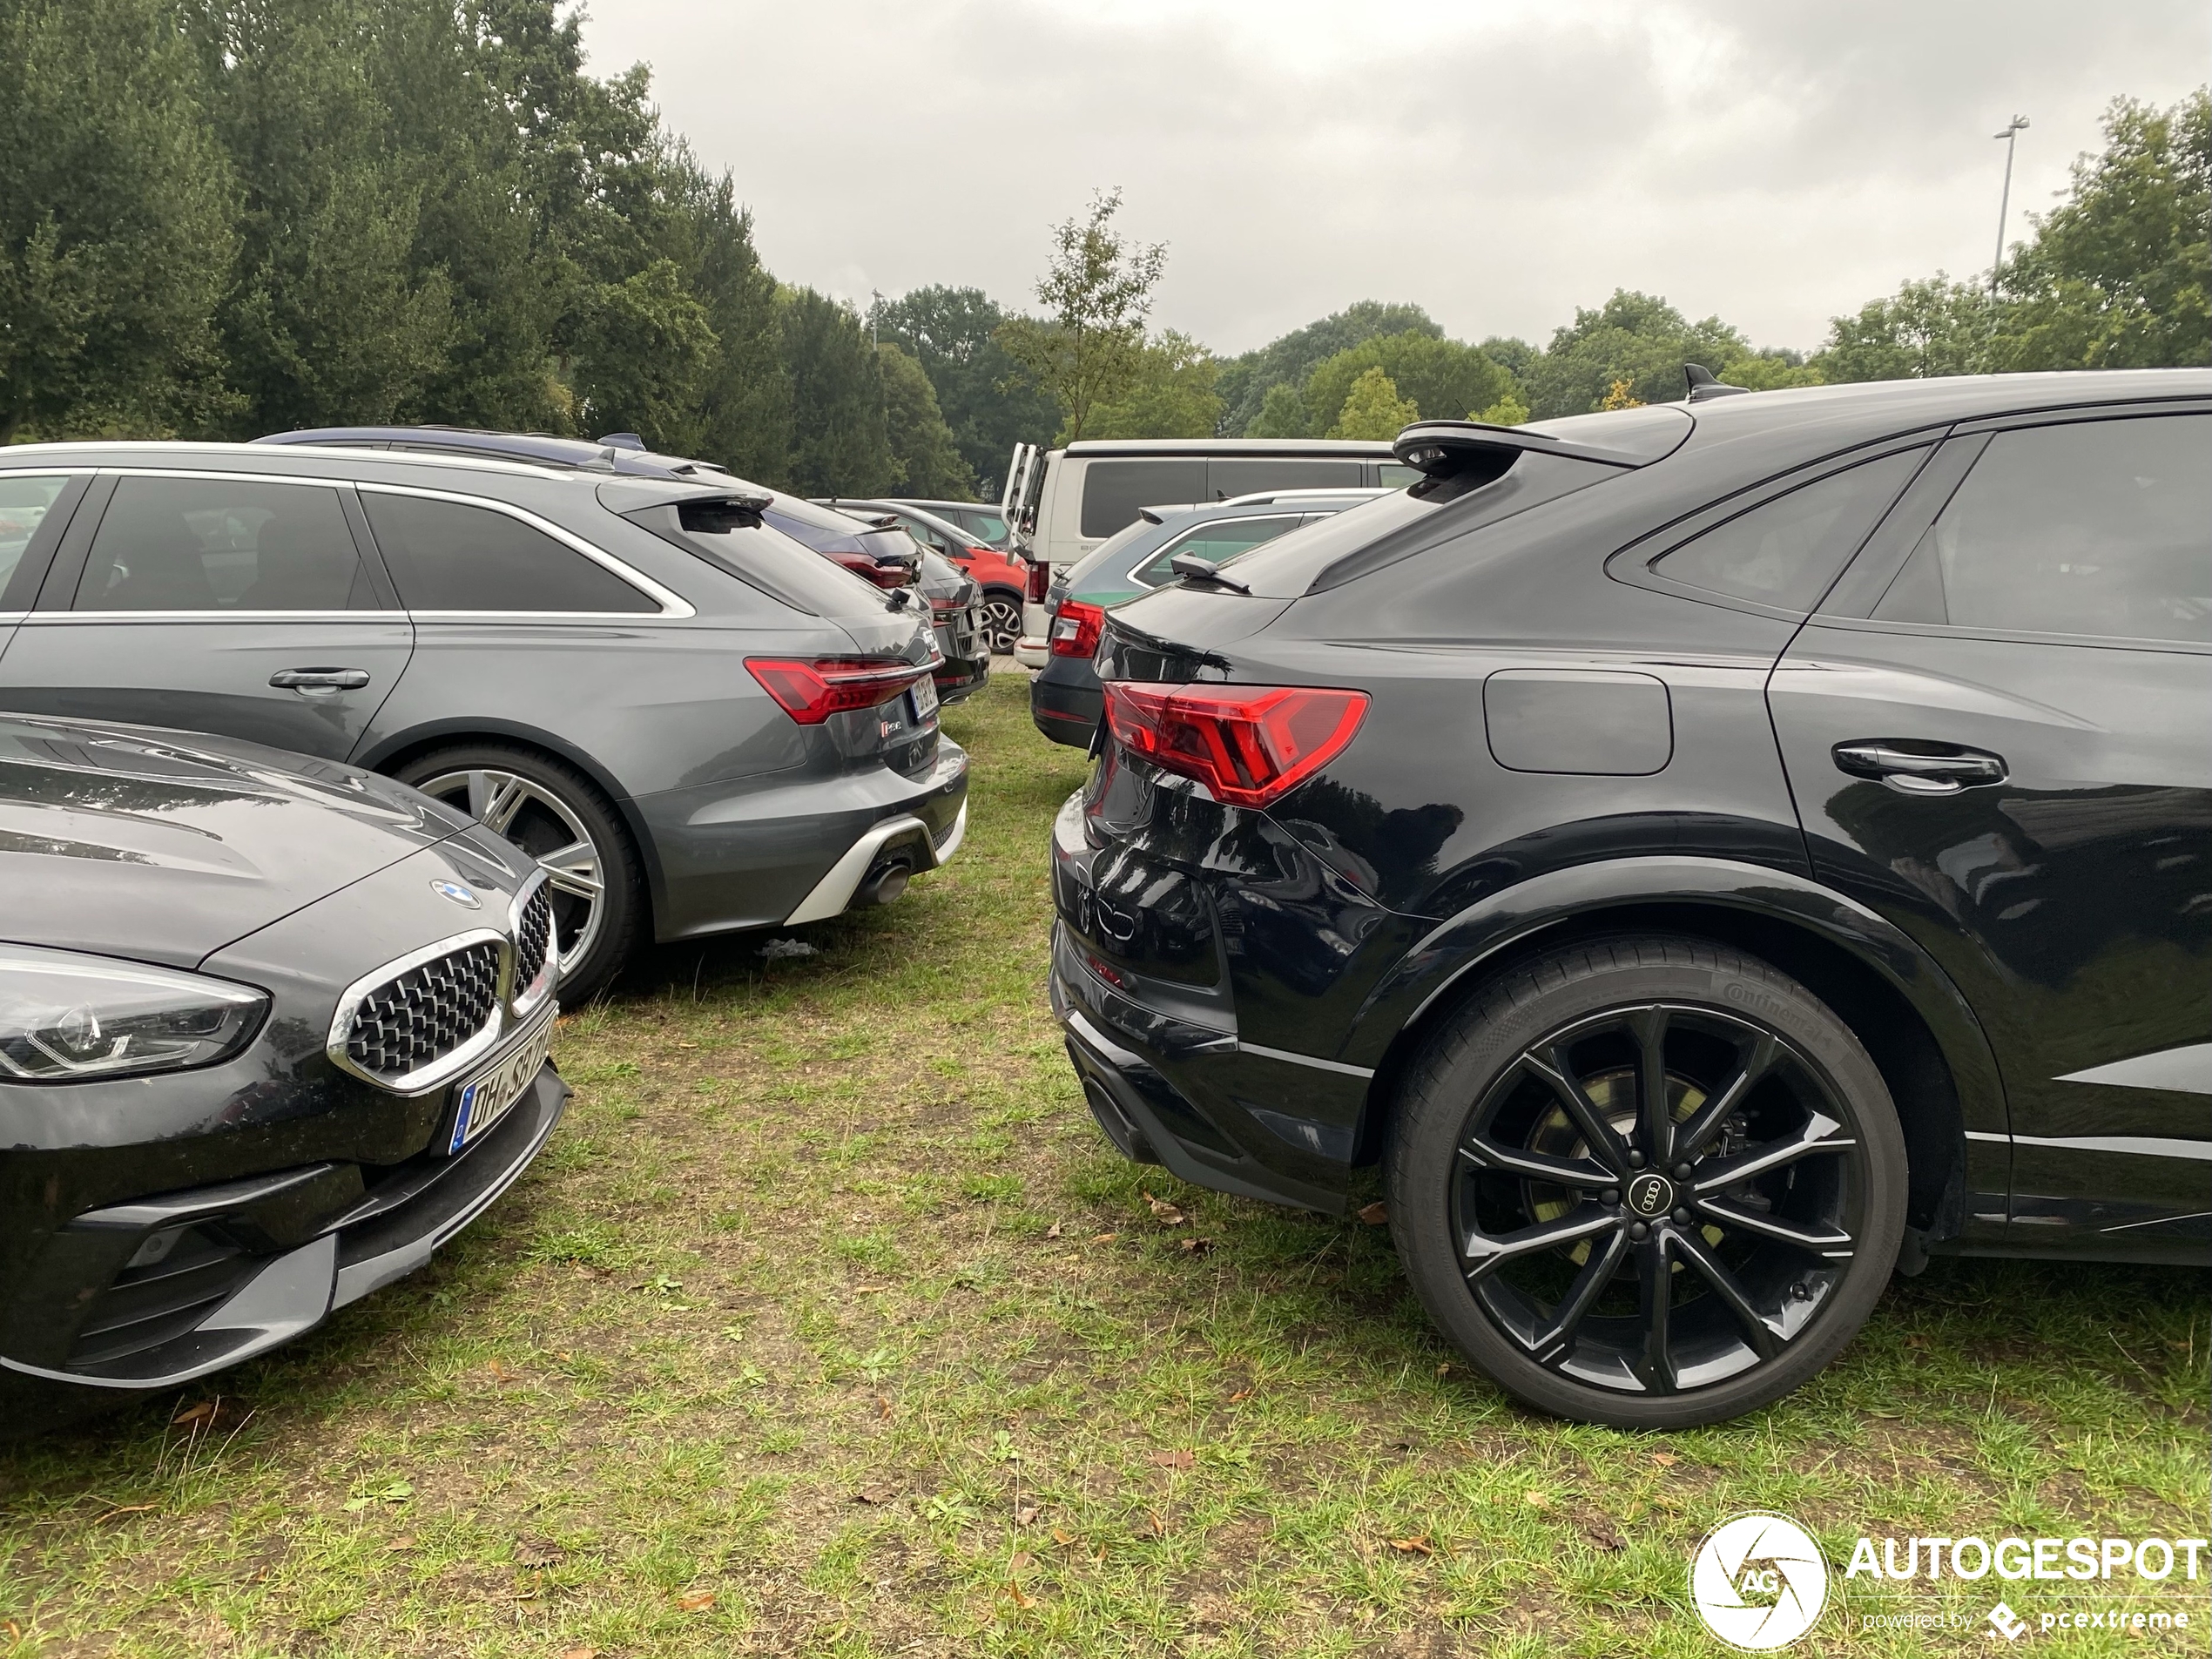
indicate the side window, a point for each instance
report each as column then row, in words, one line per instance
column 2097, row 527
column 1394, row 475
column 1113, row 490
column 216, row 544
column 1224, row 539
column 1784, row 552
column 24, row 499
column 1227, row 479
column 448, row 556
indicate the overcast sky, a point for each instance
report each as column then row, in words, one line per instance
column 1498, row 163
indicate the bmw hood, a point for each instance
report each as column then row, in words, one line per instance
column 166, row 845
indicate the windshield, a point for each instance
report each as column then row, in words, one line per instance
column 1100, row 557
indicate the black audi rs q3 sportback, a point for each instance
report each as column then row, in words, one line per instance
column 272, row 1030
column 1708, row 854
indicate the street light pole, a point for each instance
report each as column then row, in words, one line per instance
column 2011, row 135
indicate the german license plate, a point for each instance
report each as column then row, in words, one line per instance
column 923, row 696
column 484, row 1099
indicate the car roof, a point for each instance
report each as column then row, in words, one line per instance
column 125, row 451
column 1235, row 448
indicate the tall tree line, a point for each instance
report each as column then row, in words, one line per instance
column 219, row 218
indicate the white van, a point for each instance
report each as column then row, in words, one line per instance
column 1065, row 502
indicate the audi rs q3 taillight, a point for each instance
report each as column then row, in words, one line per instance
column 868, row 567
column 1076, row 630
column 1248, row 745
column 811, row 691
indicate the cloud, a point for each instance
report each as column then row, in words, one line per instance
column 1773, row 161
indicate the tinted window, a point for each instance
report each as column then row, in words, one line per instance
column 221, row 544
column 990, row 526
column 2102, row 528
column 823, row 529
column 1113, row 490
column 1224, row 539
column 448, row 556
column 1225, row 479
column 23, row 501
column 1391, row 475
column 1786, row 552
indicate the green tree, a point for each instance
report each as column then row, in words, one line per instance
column 2117, row 274
column 1248, row 381
column 1171, row 393
column 1928, row 327
column 1282, row 414
column 744, row 406
column 925, row 461
column 1444, row 378
column 1097, row 292
column 115, row 224
column 1371, row 408
column 840, row 441
column 643, row 350
column 1635, row 337
column 1508, row 410
column 989, row 400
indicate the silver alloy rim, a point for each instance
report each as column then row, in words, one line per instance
column 547, row 828
column 1002, row 624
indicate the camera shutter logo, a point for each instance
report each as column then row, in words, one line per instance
column 1759, row 1581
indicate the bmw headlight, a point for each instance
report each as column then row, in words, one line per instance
column 66, row 1016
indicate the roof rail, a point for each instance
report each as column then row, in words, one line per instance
column 1443, row 447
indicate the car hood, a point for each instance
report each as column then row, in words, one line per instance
column 166, row 845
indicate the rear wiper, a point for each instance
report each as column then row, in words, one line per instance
column 1191, row 568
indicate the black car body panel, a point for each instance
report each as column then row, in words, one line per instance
column 158, row 1226
column 1566, row 736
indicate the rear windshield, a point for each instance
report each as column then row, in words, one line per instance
column 762, row 558
column 1108, row 550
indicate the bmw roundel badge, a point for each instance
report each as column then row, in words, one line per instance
column 456, row 892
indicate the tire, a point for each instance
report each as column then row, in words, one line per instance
column 1002, row 619
column 1519, row 1177
column 557, row 816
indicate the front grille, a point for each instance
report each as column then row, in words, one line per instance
column 532, row 934
column 426, row 1012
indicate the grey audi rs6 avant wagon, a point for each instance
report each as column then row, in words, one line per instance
column 1706, row 854
column 691, row 723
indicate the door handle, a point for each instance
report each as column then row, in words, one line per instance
column 319, row 679
column 1946, row 771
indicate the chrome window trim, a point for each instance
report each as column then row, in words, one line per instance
column 444, row 1069
column 525, row 1000
column 82, row 617
column 672, row 604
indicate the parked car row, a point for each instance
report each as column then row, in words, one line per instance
column 328, row 771
column 1705, row 857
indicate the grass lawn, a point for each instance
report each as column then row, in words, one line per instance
column 828, row 1323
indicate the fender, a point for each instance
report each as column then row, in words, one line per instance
column 376, row 754
column 1477, row 935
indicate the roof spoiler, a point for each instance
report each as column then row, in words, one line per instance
column 1704, row 384
column 739, row 508
column 1443, row 447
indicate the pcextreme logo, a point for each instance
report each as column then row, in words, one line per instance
column 1759, row 1581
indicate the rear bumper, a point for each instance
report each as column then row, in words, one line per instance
column 315, row 1240
column 1063, row 705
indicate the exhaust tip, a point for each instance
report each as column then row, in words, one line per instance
column 886, row 882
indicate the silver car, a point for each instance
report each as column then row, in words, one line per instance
column 695, row 724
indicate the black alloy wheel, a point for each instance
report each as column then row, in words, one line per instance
column 553, row 813
column 1001, row 622
column 1649, row 1182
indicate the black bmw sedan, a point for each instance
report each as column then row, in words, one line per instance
column 272, row 1030
column 1709, row 855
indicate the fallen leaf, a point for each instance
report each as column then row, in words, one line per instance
column 579, row 1653
column 1376, row 1214
column 1240, row 1396
column 1157, row 1528
column 1164, row 1212
column 687, row 1045
column 1025, row 1515
column 405, row 1541
column 1418, row 1546
column 127, row 1509
column 695, row 1601
column 202, row 1412
column 873, row 1494
column 1606, row 1539
column 1023, row 1561
column 1536, row 1499
column 1445, row 1369
column 1181, row 1458
column 500, row 1373
column 538, row 1552
column 1196, row 1246
column 1665, row 1460
column 1053, row 1231
column 1021, row 1599
column 883, row 1405
column 1104, row 1238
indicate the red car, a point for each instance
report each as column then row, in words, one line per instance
column 1003, row 577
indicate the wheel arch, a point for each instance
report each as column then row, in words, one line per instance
column 388, row 753
column 1914, row 1023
